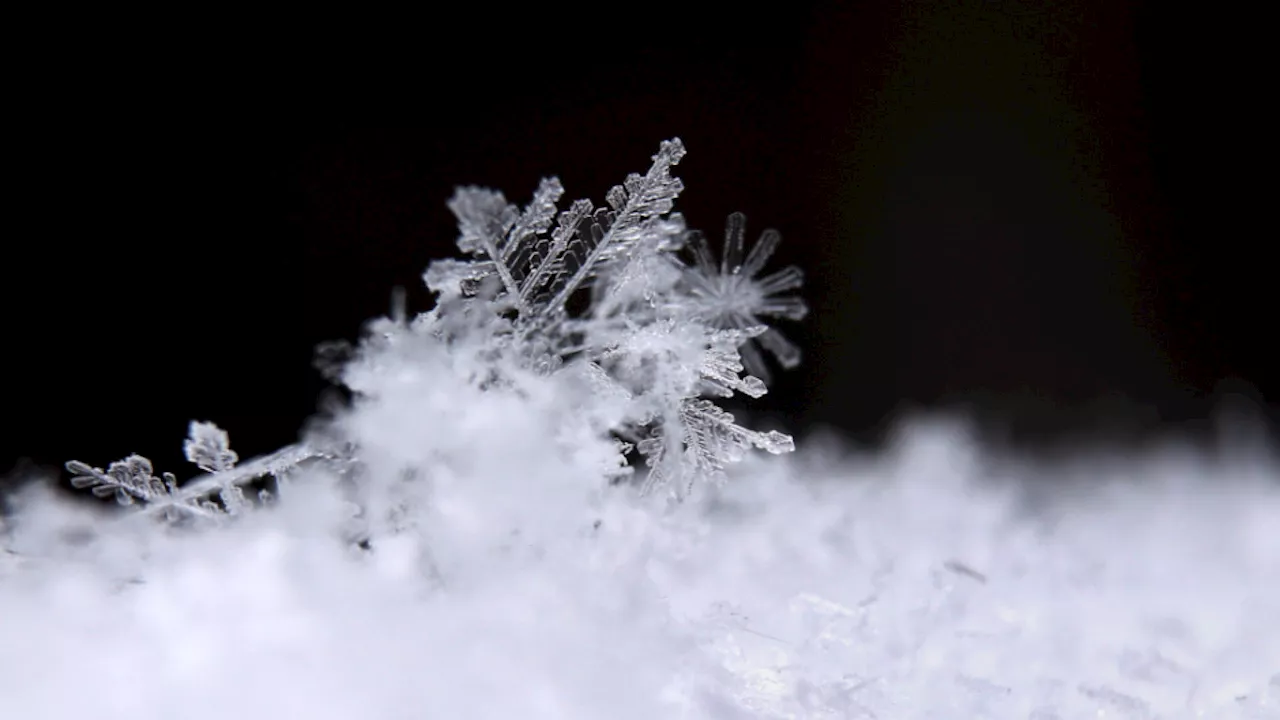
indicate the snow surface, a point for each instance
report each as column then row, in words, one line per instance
column 935, row 581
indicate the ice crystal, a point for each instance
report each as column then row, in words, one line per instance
column 546, row 291
column 729, row 295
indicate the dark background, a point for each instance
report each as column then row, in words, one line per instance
column 1042, row 213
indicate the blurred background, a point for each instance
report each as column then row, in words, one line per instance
column 1038, row 214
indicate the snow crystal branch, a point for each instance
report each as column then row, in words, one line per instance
column 132, row 481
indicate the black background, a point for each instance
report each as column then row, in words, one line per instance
column 1052, row 215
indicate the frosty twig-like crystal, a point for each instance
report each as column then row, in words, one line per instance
column 132, row 481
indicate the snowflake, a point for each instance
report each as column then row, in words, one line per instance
column 730, row 296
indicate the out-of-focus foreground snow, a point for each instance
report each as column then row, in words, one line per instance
column 931, row 582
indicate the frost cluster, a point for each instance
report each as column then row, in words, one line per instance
column 620, row 316
column 470, row 537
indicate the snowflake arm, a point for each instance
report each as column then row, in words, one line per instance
column 693, row 438
column 549, row 258
column 506, row 243
column 132, row 481
column 129, row 480
column 638, row 204
column 708, row 440
column 722, row 363
column 274, row 464
column 538, row 274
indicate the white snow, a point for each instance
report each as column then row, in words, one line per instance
column 935, row 581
